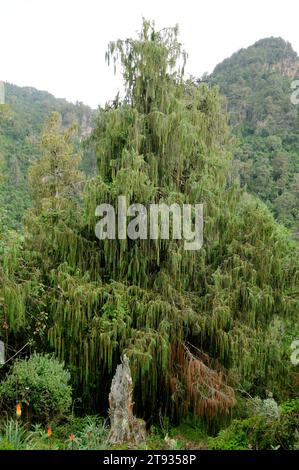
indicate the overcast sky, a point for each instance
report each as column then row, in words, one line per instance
column 59, row 45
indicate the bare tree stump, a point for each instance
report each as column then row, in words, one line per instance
column 124, row 426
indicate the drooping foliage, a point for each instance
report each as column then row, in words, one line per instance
column 194, row 324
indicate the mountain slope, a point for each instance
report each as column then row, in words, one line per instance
column 21, row 121
column 257, row 84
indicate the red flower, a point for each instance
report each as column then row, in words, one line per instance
column 49, row 432
column 18, row 410
column 72, row 437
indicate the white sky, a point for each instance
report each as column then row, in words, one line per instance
column 59, row 45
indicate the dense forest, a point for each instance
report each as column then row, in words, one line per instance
column 207, row 334
column 257, row 83
column 21, row 122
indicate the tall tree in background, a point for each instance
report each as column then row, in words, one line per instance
column 55, row 176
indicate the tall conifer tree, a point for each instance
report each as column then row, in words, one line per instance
column 195, row 325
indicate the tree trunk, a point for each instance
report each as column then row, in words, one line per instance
column 124, row 426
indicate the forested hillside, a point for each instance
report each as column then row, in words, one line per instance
column 21, row 121
column 257, row 84
column 207, row 333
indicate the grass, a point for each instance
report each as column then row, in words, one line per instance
column 90, row 433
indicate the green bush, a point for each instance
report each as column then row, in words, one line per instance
column 232, row 438
column 40, row 383
column 290, row 407
column 260, row 432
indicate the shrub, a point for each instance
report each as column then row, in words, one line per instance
column 232, row 438
column 290, row 407
column 40, row 383
column 267, row 408
column 263, row 431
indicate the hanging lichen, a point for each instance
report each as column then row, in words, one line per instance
column 188, row 321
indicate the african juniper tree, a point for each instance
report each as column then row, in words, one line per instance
column 195, row 324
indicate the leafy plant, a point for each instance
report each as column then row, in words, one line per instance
column 92, row 436
column 12, row 436
column 256, row 432
column 41, row 384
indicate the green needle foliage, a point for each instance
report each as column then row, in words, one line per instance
column 195, row 325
